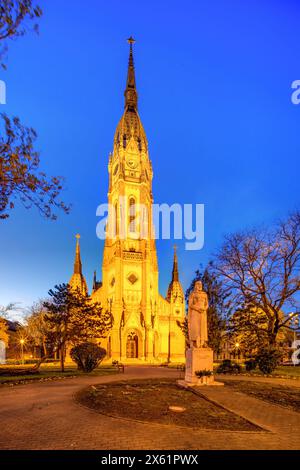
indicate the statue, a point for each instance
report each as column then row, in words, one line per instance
column 199, row 364
column 197, row 316
column 2, row 352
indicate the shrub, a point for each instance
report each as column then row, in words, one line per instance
column 268, row 359
column 203, row 373
column 228, row 367
column 250, row 364
column 87, row 356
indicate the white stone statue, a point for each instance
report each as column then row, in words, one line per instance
column 197, row 317
column 2, row 352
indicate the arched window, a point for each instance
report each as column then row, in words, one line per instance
column 132, row 214
column 145, row 223
column 116, row 219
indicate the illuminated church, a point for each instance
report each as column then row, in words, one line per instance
column 145, row 327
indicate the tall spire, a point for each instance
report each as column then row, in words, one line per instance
column 130, row 93
column 77, row 281
column 175, row 291
column 77, row 262
column 175, row 275
column 95, row 281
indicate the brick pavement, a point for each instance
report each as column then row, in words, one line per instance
column 45, row 416
column 278, row 420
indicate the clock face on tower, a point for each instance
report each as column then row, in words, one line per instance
column 132, row 163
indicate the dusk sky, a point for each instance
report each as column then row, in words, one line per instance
column 214, row 82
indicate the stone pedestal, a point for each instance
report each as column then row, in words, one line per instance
column 199, row 359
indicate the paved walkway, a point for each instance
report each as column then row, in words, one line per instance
column 282, row 422
column 45, row 416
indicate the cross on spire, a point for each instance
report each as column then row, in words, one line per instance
column 131, row 41
column 130, row 91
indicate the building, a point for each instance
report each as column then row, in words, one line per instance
column 12, row 348
column 229, row 349
column 145, row 327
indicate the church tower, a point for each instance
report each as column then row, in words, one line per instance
column 77, row 281
column 145, row 326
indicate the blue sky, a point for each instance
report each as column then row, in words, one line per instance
column 214, row 82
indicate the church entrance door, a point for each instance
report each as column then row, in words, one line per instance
column 132, row 346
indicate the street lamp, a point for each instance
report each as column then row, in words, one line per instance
column 22, row 341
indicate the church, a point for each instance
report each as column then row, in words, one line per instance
column 145, row 323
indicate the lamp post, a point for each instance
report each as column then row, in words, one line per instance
column 22, row 341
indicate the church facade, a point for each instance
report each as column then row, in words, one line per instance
column 145, row 323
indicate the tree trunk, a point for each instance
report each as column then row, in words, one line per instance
column 272, row 338
column 40, row 362
column 44, row 347
column 62, row 358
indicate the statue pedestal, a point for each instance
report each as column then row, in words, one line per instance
column 199, row 359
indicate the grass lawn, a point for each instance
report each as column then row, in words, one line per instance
column 286, row 371
column 272, row 393
column 291, row 371
column 51, row 371
column 150, row 401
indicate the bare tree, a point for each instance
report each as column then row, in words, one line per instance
column 19, row 161
column 15, row 17
column 20, row 177
column 5, row 309
column 38, row 328
column 260, row 269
